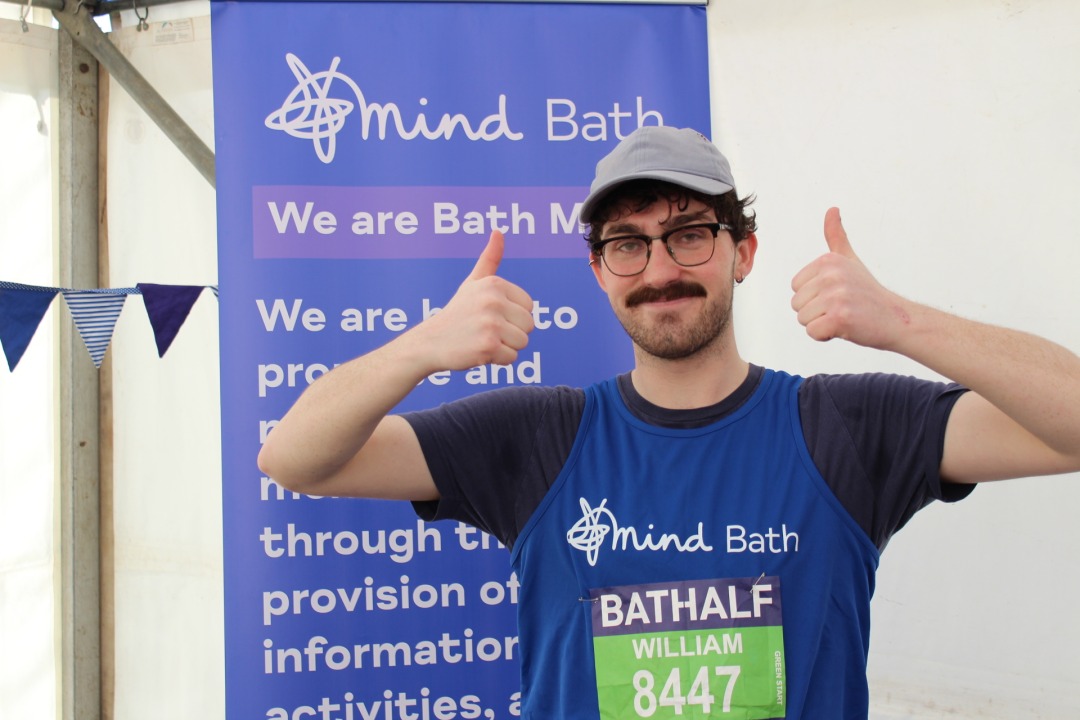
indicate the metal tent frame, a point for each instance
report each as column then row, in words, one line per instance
column 77, row 20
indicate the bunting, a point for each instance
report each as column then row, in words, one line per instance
column 94, row 311
column 168, row 306
column 21, row 310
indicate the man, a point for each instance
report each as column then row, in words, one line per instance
column 699, row 534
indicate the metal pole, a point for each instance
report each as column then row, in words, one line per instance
column 40, row 4
column 79, row 419
column 82, row 27
column 105, row 7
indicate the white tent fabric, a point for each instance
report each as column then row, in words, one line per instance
column 943, row 131
column 169, row 614
column 29, row 403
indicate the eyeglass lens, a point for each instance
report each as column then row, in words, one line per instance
column 688, row 246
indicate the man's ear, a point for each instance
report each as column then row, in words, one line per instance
column 594, row 263
column 745, row 251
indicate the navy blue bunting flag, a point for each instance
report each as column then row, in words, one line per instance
column 21, row 310
column 168, row 306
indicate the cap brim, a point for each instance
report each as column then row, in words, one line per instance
column 709, row 186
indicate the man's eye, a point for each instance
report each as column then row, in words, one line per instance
column 626, row 246
column 689, row 236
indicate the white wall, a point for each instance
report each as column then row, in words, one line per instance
column 946, row 133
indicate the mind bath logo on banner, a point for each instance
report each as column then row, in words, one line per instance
column 310, row 112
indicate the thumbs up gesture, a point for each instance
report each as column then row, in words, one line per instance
column 487, row 321
column 837, row 297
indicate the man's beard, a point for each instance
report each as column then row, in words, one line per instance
column 666, row 337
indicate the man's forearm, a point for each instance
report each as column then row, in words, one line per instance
column 1033, row 381
column 337, row 414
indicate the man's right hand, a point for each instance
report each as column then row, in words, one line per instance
column 487, row 321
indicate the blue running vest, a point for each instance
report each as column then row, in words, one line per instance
column 663, row 552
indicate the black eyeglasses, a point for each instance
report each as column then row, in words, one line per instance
column 689, row 245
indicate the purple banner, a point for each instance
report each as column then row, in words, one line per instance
column 365, row 150
column 391, row 223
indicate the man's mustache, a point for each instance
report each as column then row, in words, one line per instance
column 673, row 291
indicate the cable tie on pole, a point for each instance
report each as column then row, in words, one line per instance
column 143, row 25
column 23, row 14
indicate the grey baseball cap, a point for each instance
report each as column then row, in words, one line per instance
column 681, row 156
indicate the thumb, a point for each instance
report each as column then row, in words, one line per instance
column 835, row 235
column 488, row 262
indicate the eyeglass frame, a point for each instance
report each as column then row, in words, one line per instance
column 715, row 227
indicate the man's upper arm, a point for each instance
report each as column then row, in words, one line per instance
column 390, row 466
column 982, row 443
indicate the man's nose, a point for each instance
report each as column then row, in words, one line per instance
column 662, row 268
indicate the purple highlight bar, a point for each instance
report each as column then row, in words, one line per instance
column 303, row 221
column 686, row 605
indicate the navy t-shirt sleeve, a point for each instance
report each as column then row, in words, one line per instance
column 878, row 439
column 494, row 451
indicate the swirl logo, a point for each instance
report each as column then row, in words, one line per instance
column 588, row 534
column 591, row 531
column 311, row 113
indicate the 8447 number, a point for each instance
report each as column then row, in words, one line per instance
column 646, row 701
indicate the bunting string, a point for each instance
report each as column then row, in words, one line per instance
column 94, row 311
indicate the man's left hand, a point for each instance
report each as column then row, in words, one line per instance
column 837, row 297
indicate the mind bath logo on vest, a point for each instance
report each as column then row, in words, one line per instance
column 598, row 528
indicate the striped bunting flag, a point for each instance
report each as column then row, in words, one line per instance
column 95, row 313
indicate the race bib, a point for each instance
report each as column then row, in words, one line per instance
column 691, row 649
